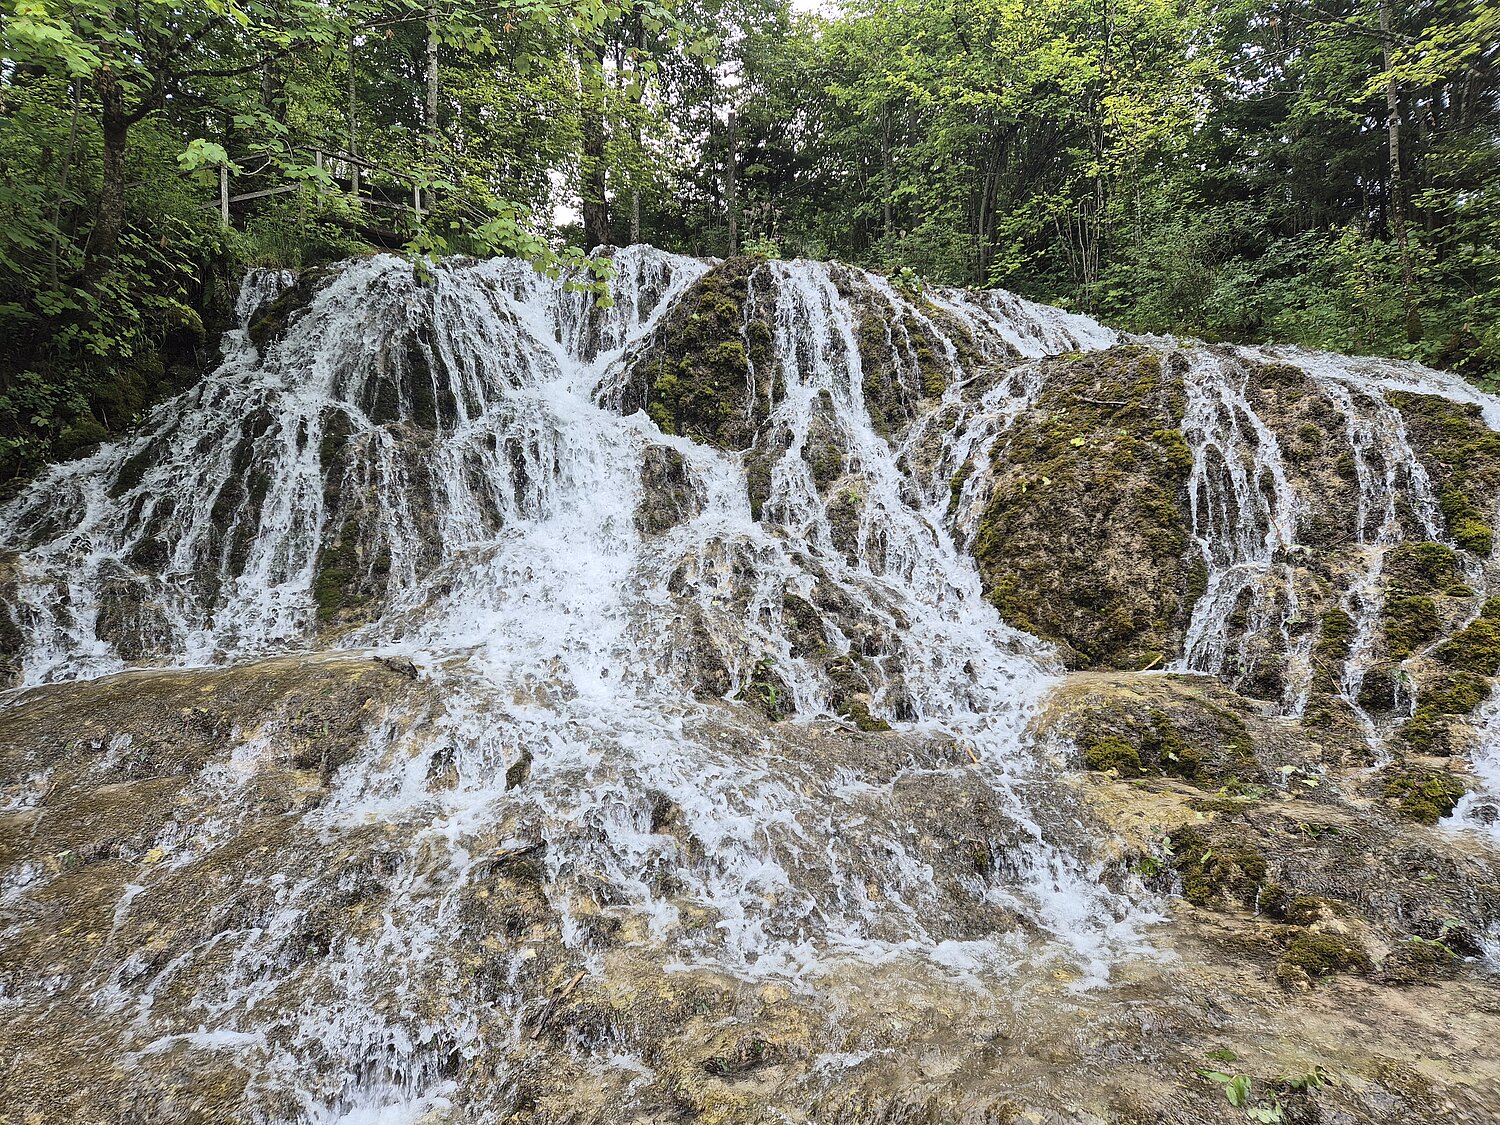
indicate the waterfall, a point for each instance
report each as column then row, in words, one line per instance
column 720, row 702
column 436, row 468
column 1243, row 511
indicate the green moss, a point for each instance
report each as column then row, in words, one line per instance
column 1322, row 955
column 1098, row 458
column 1421, row 568
column 1408, row 623
column 696, row 374
column 1113, row 753
column 1213, row 873
column 1426, row 796
column 1379, row 689
column 1476, row 648
column 1418, row 960
column 1450, row 694
column 1302, row 910
column 1457, row 693
column 956, row 486
column 333, row 586
column 1175, row 755
column 933, row 371
column 1465, row 524
column 858, row 713
column 1334, row 644
column 1462, row 454
column 1197, row 581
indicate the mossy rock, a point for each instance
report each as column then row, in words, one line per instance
column 1476, row 648
column 1462, row 455
column 1421, row 568
column 1188, row 731
column 1312, row 956
column 1408, row 622
column 1085, row 539
column 1443, row 698
column 1113, row 753
column 1419, row 961
column 767, row 691
column 1425, row 796
column 349, row 578
column 1216, row 873
column 695, row 378
column 273, row 320
column 857, row 711
column 1335, row 642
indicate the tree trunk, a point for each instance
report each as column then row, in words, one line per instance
column 74, row 88
column 1396, row 202
column 115, row 127
column 637, row 40
column 888, row 178
column 1093, row 225
column 731, row 198
column 353, row 122
column 595, row 203
column 431, row 120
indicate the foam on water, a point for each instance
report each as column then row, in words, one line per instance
column 473, row 459
column 455, row 445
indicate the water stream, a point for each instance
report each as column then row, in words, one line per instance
column 450, row 449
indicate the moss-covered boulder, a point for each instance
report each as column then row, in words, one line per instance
column 706, row 373
column 1462, row 455
column 12, row 639
column 1084, row 540
column 1423, row 795
column 1184, row 727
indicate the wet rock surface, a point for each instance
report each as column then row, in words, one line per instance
column 778, row 696
column 170, row 813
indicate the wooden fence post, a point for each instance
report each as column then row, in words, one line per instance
column 224, row 194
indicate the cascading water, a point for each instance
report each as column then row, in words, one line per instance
column 438, row 449
column 1243, row 512
column 446, row 470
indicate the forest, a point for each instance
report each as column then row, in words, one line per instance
column 1325, row 174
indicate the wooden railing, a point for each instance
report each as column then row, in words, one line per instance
column 349, row 173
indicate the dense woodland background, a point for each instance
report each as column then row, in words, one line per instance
column 1324, row 173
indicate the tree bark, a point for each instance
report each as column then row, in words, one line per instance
column 888, row 178
column 1396, row 203
column 115, row 127
column 431, row 119
column 731, row 197
column 595, row 203
column 353, row 122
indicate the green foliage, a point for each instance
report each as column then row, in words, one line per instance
column 760, row 247
column 1213, row 170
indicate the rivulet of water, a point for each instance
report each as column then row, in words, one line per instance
column 1243, row 511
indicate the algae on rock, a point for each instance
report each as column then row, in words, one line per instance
column 1085, row 535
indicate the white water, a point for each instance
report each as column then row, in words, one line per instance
column 455, row 440
column 496, row 504
column 1243, row 512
